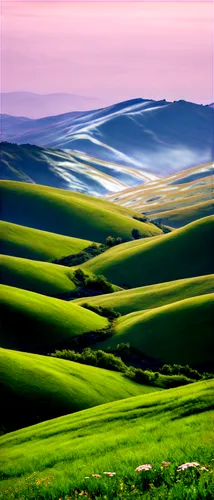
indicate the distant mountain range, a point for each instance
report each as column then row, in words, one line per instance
column 35, row 105
column 65, row 170
column 175, row 200
column 157, row 138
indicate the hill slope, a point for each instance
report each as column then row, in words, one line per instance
column 181, row 332
column 41, row 388
column 39, row 277
column 29, row 243
column 119, row 436
column 184, row 253
column 152, row 296
column 67, row 213
column 156, row 137
column 175, row 200
column 30, row 321
column 65, row 169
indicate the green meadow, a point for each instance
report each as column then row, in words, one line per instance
column 152, row 296
column 20, row 241
column 30, row 321
column 67, row 213
column 181, row 332
column 36, row 276
column 56, row 458
column 63, row 424
column 184, row 253
column 42, row 387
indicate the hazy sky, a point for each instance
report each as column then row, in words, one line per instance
column 109, row 50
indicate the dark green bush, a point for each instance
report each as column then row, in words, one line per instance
column 107, row 312
column 94, row 358
column 99, row 283
column 181, row 370
column 136, row 234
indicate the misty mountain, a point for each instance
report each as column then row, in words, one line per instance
column 64, row 170
column 37, row 105
column 155, row 137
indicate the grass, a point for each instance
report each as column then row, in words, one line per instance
column 36, row 276
column 29, row 243
column 68, row 213
column 152, row 296
column 176, row 200
column 184, row 253
column 181, row 332
column 41, row 388
column 50, row 460
column 30, row 321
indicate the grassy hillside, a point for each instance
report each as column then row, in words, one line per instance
column 41, row 388
column 176, row 200
column 149, row 297
column 30, row 321
column 29, row 243
column 51, row 459
column 181, row 332
column 40, row 277
column 67, row 213
column 184, row 253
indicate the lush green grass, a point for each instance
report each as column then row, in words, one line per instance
column 29, row 243
column 68, row 213
column 184, row 253
column 31, row 321
column 36, row 276
column 176, row 200
column 149, row 297
column 41, row 387
column 50, row 460
column 181, row 332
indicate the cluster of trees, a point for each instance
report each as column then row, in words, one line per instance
column 107, row 312
column 98, row 358
column 169, row 375
column 186, row 370
column 93, row 282
column 88, row 253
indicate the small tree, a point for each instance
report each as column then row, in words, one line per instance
column 136, row 234
column 110, row 241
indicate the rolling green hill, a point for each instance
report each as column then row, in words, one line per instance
column 40, row 388
column 30, row 321
column 184, row 253
column 68, row 213
column 175, row 200
column 149, row 297
column 52, row 459
column 36, row 276
column 181, row 332
column 29, row 243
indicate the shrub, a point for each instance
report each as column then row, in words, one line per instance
column 141, row 218
column 136, row 234
column 111, row 241
column 99, row 283
column 107, row 312
column 181, row 370
column 98, row 358
column 79, row 276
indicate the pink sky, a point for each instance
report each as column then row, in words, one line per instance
column 109, row 50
